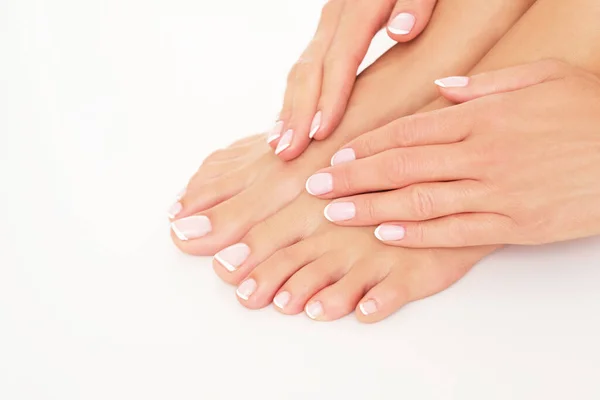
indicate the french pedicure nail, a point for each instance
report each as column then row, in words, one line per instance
column 285, row 142
column 275, row 132
column 341, row 211
column 368, row 307
column 174, row 210
column 315, row 125
column 282, row 299
column 343, row 156
column 453, row 82
column 402, row 24
column 390, row 233
column 193, row 227
column 319, row 184
column 233, row 256
column 314, row 310
column 246, row 289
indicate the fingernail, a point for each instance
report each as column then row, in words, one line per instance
column 314, row 310
column 275, row 132
column 402, row 24
column 315, row 125
column 343, row 156
column 180, row 194
column 233, row 256
column 389, row 233
column 282, row 299
column 453, row 81
column 368, row 307
column 174, row 210
column 342, row 211
column 192, row 227
column 246, row 289
column 319, row 184
column 285, row 142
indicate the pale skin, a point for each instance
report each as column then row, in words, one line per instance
column 287, row 251
column 518, row 163
column 320, row 83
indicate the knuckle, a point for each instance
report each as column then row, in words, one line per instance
column 404, row 133
column 370, row 210
column 395, row 168
column 422, row 203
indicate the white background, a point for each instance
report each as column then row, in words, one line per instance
column 106, row 108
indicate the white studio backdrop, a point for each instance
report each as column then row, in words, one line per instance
column 106, row 108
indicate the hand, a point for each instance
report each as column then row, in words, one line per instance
column 518, row 163
column 320, row 83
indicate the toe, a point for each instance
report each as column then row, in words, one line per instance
column 279, row 231
column 416, row 275
column 341, row 298
column 226, row 223
column 259, row 288
column 309, row 280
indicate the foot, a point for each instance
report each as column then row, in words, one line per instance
column 299, row 261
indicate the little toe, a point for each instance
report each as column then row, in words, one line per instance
column 341, row 298
column 259, row 288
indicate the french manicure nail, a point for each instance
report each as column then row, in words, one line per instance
column 319, row 184
column 390, row 233
column 180, row 194
column 314, row 310
column 174, row 210
column 368, row 307
column 315, row 125
column 285, row 142
column 342, row 211
column 246, row 289
column 275, row 132
column 343, row 156
column 193, row 227
column 402, row 24
column 453, row 82
column 233, row 256
column 282, row 299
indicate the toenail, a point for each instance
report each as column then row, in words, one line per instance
column 389, row 233
column 174, row 210
column 285, row 142
column 319, row 184
column 402, row 24
column 246, row 289
column 192, row 227
column 282, row 299
column 315, row 125
column 275, row 132
column 343, row 156
column 314, row 310
column 342, row 211
column 233, row 256
column 180, row 194
column 368, row 307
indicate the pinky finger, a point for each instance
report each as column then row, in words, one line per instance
column 460, row 230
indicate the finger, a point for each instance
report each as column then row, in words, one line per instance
column 359, row 23
column 421, row 202
column 307, row 66
column 444, row 126
column 462, row 230
column 392, row 169
column 461, row 88
column 409, row 19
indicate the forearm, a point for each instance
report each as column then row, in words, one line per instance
column 564, row 30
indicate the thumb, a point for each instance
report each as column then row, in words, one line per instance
column 459, row 89
column 409, row 19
